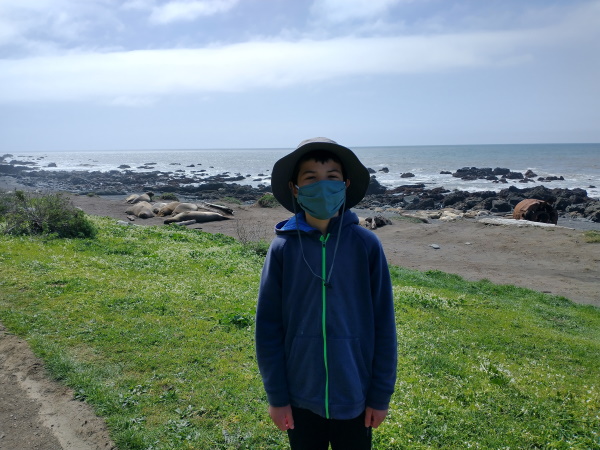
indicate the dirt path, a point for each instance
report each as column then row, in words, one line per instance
column 38, row 413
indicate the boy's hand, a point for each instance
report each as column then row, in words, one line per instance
column 374, row 417
column 282, row 417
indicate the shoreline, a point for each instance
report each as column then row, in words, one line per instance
column 571, row 203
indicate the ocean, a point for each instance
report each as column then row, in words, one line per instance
column 578, row 164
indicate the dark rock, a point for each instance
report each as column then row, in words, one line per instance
column 11, row 170
column 513, row 175
column 455, row 197
column 501, row 206
column 374, row 187
column 592, row 211
column 16, row 162
column 425, row 203
column 407, row 175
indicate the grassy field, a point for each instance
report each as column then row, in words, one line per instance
column 154, row 327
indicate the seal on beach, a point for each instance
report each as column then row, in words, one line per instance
column 198, row 216
column 183, row 207
column 143, row 210
column 156, row 207
column 167, row 209
column 135, row 198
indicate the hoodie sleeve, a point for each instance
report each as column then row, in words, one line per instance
column 386, row 351
column 270, row 331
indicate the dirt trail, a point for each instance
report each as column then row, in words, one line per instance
column 38, row 413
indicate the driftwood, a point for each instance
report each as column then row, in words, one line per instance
column 225, row 209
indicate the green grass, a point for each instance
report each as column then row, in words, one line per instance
column 154, row 327
column 592, row 237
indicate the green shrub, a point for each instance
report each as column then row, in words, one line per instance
column 268, row 201
column 592, row 237
column 169, row 196
column 25, row 213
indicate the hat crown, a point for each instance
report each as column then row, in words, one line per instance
column 322, row 140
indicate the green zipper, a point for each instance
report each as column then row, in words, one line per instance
column 324, row 321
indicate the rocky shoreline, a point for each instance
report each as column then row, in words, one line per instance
column 573, row 204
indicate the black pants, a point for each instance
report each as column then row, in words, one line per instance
column 313, row 432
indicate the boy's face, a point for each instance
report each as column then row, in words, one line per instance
column 312, row 171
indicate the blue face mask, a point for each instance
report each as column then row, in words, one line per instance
column 323, row 199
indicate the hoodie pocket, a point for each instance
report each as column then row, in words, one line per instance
column 349, row 373
column 306, row 369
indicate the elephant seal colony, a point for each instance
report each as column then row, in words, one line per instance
column 184, row 213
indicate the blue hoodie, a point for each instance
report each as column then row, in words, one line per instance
column 327, row 347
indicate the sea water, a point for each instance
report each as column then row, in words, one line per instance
column 578, row 164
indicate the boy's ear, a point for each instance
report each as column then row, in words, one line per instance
column 347, row 183
column 293, row 188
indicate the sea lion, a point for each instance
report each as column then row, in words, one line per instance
column 167, row 209
column 143, row 210
column 198, row 216
column 183, row 207
column 135, row 198
column 157, row 206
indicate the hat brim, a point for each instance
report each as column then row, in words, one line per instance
column 283, row 171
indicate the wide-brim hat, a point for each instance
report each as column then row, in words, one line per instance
column 283, row 171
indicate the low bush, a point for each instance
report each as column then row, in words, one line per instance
column 268, row 201
column 26, row 213
column 169, row 196
column 592, row 236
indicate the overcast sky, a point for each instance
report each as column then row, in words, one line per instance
column 185, row 74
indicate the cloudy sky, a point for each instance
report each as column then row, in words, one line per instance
column 185, row 74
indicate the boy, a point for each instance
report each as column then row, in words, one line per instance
column 325, row 328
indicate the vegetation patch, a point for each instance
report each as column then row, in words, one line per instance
column 53, row 214
column 268, row 201
column 168, row 196
column 154, row 327
column 592, row 237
